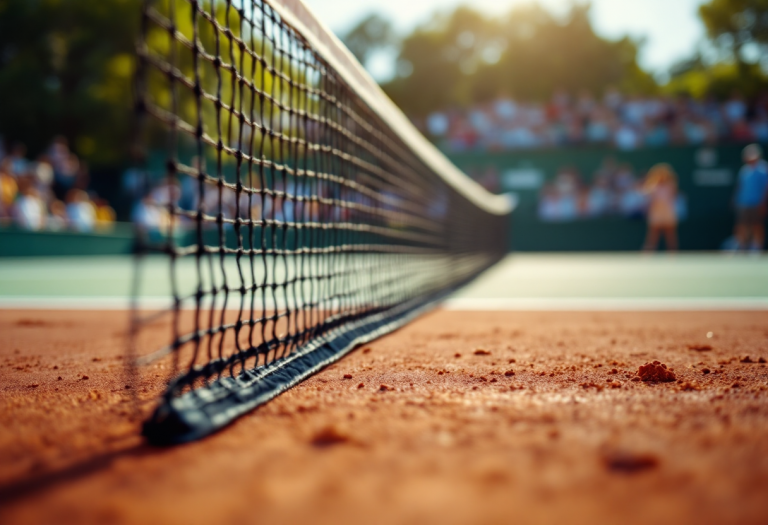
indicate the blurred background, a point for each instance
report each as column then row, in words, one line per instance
column 567, row 105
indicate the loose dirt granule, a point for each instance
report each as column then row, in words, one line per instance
column 329, row 436
column 746, row 359
column 655, row 372
column 482, row 351
column 384, row 388
column 509, row 373
column 700, row 347
column 347, row 376
column 630, row 463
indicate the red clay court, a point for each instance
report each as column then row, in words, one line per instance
column 462, row 416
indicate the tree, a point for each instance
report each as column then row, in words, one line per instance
column 739, row 30
column 373, row 33
column 739, row 27
column 463, row 57
column 719, row 80
column 65, row 68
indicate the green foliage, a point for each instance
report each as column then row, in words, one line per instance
column 719, row 80
column 66, row 67
column 372, row 33
column 276, row 74
column 739, row 30
column 737, row 25
column 465, row 57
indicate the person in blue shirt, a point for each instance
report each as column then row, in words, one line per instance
column 751, row 198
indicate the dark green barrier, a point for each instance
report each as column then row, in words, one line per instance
column 15, row 242
column 706, row 177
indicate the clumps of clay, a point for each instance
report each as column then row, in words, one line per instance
column 630, row 463
column 329, row 436
column 655, row 372
column 689, row 386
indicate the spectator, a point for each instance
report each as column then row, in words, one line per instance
column 28, row 190
column 632, row 201
column 661, row 188
column 81, row 213
column 599, row 198
column 560, row 201
column 438, row 124
column 9, row 188
column 149, row 217
column 44, row 176
column 741, row 131
column 658, row 133
column 57, row 217
column 17, row 164
column 105, row 214
column 66, row 175
column 760, row 129
column 548, row 205
column 626, row 137
column 750, row 200
column 65, row 165
column 735, row 109
column 59, row 152
column 29, row 209
column 627, row 123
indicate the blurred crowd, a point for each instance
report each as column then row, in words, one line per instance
column 287, row 201
column 151, row 206
column 615, row 190
column 624, row 122
column 49, row 192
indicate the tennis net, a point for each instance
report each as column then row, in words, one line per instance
column 309, row 213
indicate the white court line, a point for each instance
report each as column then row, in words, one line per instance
column 606, row 304
column 77, row 303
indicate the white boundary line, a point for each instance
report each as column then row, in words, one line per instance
column 650, row 304
column 78, row 303
column 608, row 304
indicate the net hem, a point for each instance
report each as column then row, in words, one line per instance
column 204, row 411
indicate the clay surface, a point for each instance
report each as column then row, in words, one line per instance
column 501, row 417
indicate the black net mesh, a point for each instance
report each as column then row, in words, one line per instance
column 296, row 221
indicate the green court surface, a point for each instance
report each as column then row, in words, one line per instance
column 521, row 281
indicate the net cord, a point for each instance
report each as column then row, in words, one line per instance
column 298, row 15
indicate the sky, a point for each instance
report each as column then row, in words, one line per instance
column 671, row 27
